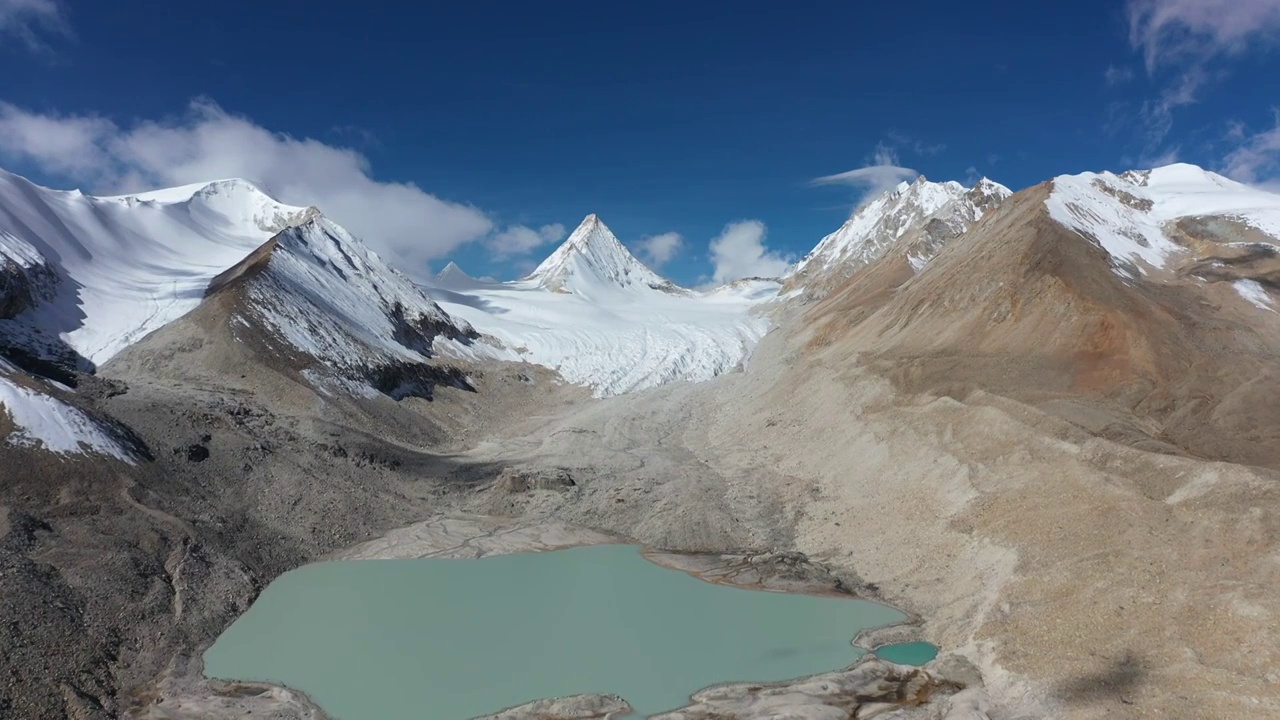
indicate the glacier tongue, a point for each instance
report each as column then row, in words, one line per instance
column 613, row 345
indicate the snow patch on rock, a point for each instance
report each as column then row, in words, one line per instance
column 41, row 420
column 1253, row 291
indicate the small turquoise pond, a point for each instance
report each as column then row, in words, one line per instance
column 454, row 639
column 912, row 653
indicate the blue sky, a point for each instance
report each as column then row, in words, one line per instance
column 483, row 132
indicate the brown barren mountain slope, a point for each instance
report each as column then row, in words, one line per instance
column 1024, row 307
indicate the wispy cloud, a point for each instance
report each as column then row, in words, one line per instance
column 913, row 144
column 518, row 240
column 1182, row 32
column 33, row 23
column 1188, row 40
column 1158, row 113
column 1167, row 156
column 874, row 175
column 1256, row 160
column 658, row 250
column 1180, row 42
column 739, row 251
column 403, row 222
column 880, row 174
column 1118, row 75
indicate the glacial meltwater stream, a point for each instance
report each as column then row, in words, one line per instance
column 451, row 639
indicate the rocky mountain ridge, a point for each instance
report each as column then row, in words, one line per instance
column 915, row 218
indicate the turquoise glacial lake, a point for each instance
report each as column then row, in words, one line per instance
column 450, row 639
column 911, row 653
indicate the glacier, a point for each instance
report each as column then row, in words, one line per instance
column 602, row 319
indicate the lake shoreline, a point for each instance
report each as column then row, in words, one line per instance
column 468, row 536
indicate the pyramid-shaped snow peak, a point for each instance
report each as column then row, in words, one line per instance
column 451, row 270
column 453, row 277
column 593, row 261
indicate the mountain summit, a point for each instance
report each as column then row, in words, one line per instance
column 82, row 277
column 593, row 259
column 917, row 218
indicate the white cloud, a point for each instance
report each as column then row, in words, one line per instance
column 405, row 224
column 521, row 240
column 1257, row 159
column 1117, row 75
column 739, row 251
column 1181, row 40
column 1193, row 31
column 74, row 147
column 881, row 174
column 658, row 250
column 1189, row 38
column 32, row 22
column 868, row 175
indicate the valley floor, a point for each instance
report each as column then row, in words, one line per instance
column 1087, row 579
column 1084, row 578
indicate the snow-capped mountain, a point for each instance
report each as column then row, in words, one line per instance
column 593, row 260
column 602, row 319
column 1142, row 304
column 1144, row 219
column 922, row 214
column 84, row 277
column 331, row 297
column 453, row 277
